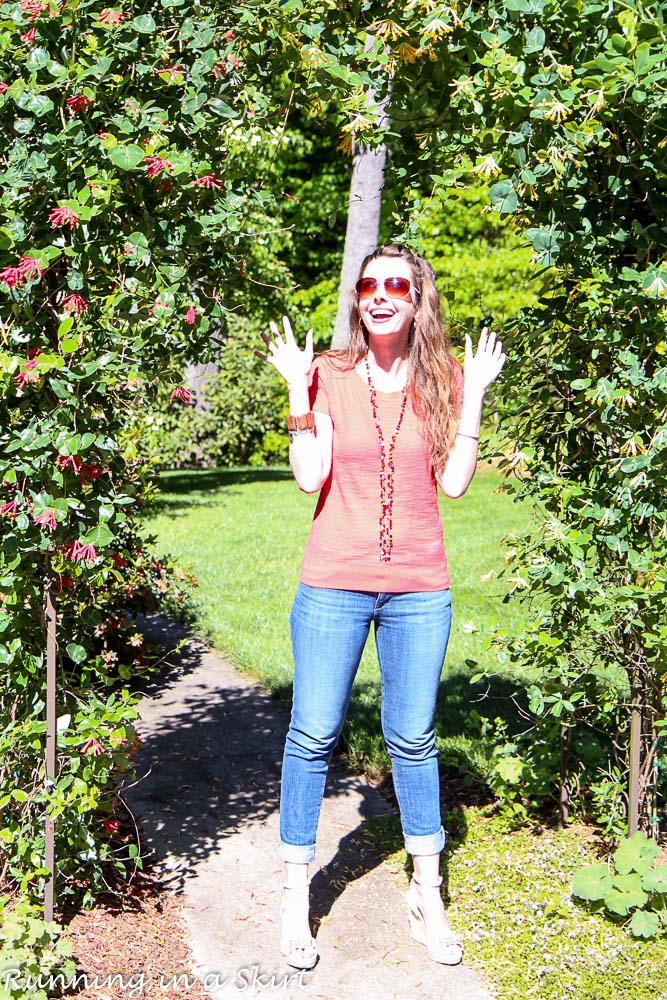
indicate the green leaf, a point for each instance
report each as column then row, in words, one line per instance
column 36, row 104
column 510, row 769
column 591, row 882
column 503, row 197
column 144, row 24
column 219, row 107
column 75, row 652
column 655, row 880
column 644, row 925
column 37, row 58
column 126, row 157
column 635, row 854
column 69, row 346
column 99, row 536
column 535, row 40
column 65, row 327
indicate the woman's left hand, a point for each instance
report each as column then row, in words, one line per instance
column 482, row 367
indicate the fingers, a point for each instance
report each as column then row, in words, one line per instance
column 287, row 327
column 275, row 331
column 489, row 344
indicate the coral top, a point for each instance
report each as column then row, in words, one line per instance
column 343, row 549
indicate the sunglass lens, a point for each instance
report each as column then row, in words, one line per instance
column 398, row 288
column 366, row 287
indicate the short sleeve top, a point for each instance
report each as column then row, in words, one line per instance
column 343, row 549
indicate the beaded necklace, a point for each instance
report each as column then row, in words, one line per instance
column 386, row 469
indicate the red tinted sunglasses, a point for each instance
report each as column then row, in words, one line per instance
column 396, row 288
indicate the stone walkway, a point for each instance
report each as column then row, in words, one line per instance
column 208, row 808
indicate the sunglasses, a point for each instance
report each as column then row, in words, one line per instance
column 395, row 288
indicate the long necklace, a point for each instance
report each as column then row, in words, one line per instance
column 386, row 470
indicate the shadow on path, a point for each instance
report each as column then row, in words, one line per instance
column 209, row 765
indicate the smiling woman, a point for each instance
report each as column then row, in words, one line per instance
column 375, row 428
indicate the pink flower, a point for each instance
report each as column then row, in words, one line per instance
column 235, row 62
column 74, row 304
column 190, row 315
column 32, row 8
column 93, row 746
column 111, row 825
column 86, row 553
column 218, row 70
column 63, row 461
column 27, row 374
column 63, row 216
column 29, row 36
column 28, row 267
column 78, row 552
column 3, row 86
column 111, row 17
column 208, row 181
column 292, row 197
column 180, row 393
column 102, row 135
column 154, row 164
column 11, row 277
column 79, row 102
column 9, row 509
column 172, row 72
column 47, row 518
column 228, row 36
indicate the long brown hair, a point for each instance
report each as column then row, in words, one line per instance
column 430, row 364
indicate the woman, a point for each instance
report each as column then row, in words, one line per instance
column 374, row 429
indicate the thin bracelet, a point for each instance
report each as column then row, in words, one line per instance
column 473, row 437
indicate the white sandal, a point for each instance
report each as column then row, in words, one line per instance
column 300, row 951
column 444, row 947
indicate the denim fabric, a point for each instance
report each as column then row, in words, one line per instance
column 329, row 631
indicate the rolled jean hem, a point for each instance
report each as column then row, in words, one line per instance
column 295, row 854
column 433, row 843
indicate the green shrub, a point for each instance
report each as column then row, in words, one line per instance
column 33, row 957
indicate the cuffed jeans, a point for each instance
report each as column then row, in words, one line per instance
column 329, row 631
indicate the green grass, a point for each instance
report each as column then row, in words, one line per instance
column 242, row 533
column 509, row 897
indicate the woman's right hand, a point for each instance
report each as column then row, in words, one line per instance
column 286, row 357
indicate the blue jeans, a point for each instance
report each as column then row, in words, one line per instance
column 329, row 631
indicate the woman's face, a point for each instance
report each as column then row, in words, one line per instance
column 387, row 310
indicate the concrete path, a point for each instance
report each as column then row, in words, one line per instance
column 208, row 808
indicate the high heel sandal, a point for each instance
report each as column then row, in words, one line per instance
column 443, row 947
column 300, row 951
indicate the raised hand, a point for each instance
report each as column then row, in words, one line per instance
column 482, row 367
column 286, row 357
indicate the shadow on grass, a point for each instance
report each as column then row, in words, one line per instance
column 187, row 488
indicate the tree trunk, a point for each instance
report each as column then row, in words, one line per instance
column 564, row 804
column 363, row 217
column 635, row 789
column 363, row 226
